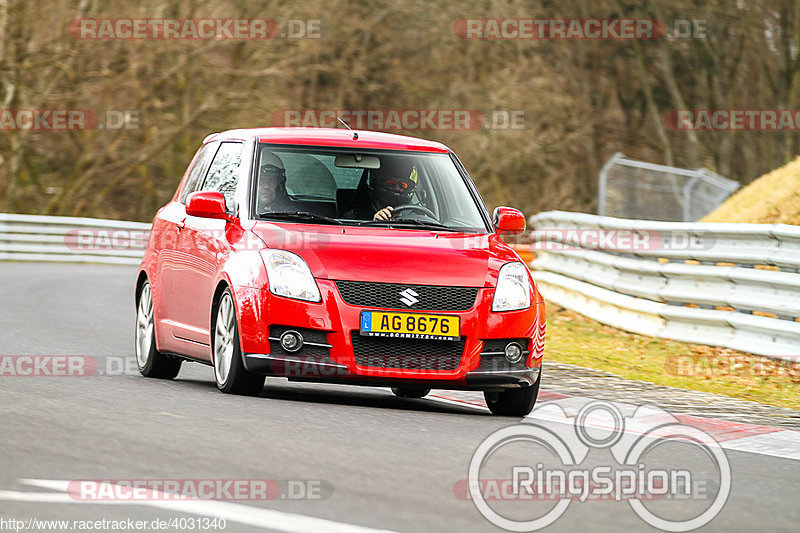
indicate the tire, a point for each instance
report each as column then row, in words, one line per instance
column 410, row 392
column 513, row 402
column 229, row 371
column 151, row 362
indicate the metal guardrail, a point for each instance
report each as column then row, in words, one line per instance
column 732, row 285
column 85, row 240
column 68, row 239
column 740, row 290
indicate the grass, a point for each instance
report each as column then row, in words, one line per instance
column 575, row 339
column 772, row 198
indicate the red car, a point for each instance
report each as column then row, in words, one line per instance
column 339, row 256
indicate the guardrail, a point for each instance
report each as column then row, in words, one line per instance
column 732, row 285
column 68, row 239
column 84, row 240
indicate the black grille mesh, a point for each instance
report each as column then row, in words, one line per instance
column 387, row 352
column 387, row 296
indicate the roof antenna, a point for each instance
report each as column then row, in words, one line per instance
column 355, row 135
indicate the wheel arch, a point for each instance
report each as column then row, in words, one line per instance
column 218, row 290
column 140, row 279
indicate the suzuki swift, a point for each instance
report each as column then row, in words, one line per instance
column 342, row 256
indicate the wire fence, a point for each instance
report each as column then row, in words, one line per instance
column 645, row 191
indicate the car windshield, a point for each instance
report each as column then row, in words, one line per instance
column 416, row 190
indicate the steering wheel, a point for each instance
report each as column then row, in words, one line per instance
column 410, row 207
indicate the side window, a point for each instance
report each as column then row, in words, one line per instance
column 223, row 175
column 199, row 169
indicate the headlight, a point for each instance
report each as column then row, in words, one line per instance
column 513, row 288
column 290, row 276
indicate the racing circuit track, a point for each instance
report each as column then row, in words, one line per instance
column 383, row 463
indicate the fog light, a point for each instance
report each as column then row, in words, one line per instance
column 291, row 341
column 513, row 352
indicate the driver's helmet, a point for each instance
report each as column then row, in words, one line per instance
column 394, row 182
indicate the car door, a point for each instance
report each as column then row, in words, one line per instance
column 167, row 290
column 203, row 243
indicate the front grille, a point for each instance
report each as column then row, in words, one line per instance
column 387, row 296
column 388, row 352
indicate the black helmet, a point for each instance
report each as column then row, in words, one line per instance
column 394, row 182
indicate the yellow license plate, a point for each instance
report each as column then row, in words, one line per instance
column 410, row 325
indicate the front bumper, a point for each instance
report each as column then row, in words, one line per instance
column 335, row 320
column 322, row 369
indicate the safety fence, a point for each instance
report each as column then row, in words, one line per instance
column 732, row 285
column 637, row 189
column 68, row 239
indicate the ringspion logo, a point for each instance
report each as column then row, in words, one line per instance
column 597, row 454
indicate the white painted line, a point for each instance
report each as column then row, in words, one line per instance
column 459, row 403
column 782, row 443
column 234, row 512
column 35, row 497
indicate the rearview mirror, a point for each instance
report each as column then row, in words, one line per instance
column 357, row 161
column 508, row 221
column 207, row 204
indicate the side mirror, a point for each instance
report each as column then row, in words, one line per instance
column 508, row 221
column 207, row 204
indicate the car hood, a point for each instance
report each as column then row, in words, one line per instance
column 392, row 255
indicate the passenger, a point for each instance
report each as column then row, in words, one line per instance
column 272, row 195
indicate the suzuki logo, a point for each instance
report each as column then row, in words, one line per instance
column 409, row 297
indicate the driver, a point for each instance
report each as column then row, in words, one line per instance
column 391, row 186
column 272, row 195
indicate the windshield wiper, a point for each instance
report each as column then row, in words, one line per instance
column 304, row 216
column 410, row 222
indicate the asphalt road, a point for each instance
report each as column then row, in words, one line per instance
column 376, row 461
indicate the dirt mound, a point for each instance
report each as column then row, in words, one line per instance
column 772, row 198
